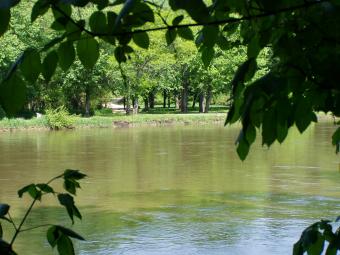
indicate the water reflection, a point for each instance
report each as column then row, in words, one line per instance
column 176, row 190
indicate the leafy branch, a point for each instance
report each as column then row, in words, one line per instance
column 56, row 235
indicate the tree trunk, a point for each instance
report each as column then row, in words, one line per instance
column 87, row 103
column 164, row 98
column 124, row 102
column 201, row 102
column 127, row 106
column 135, row 105
column 169, row 100
column 152, row 99
column 194, row 101
column 177, row 102
column 184, row 97
column 208, row 100
column 146, row 104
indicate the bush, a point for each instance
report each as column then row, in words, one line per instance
column 59, row 118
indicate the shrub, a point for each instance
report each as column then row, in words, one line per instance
column 59, row 118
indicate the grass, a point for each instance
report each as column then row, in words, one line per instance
column 119, row 120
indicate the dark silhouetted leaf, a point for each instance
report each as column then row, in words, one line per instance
column 31, row 190
column 170, row 36
column 31, row 65
column 65, row 246
column 185, row 33
column 69, row 233
column 4, row 208
column 13, row 94
column 98, row 22
column 68, row 201
column 207, row 56
column 88, row 52
column 177, row 20
column 45, row 188
column 5, row 16
column 141, row 39
column 66, row 55
column 50, row 65
column 74, row 174
column 120, row 54
column 39, row 8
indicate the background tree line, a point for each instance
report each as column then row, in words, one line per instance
column 169, row 75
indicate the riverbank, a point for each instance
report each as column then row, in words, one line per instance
column 119, row 121
column 122, row 121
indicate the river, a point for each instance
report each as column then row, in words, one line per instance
column 174, row 190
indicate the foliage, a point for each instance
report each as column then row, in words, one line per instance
column 303, row 38
column 299, row 81
column 315, row 237
column 57, row 236
column 59, row 118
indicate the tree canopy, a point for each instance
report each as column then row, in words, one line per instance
column 302, row 37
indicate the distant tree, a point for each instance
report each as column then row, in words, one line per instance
column 302, row 36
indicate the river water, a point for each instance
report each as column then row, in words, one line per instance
column 174, row 190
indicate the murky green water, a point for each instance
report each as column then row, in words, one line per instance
column 175, row 190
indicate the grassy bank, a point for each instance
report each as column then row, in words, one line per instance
column 122, row 121
column 119, row 121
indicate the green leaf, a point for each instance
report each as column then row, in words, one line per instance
column 317, row 247
column 242, row 149
column 66, row 55
column 13, row 94
column 120, row 54
column 303, row 115
column 98, row 22
column 39, row 8
column 331, row 249
column 1, row 231
column 281, row 131
column 5, row 16
column 170, row 36
column 52, row 236
column 210, row 35
column 4, row 208
column 250, row 134
column 223, row 43
column 177, row 20
column 53, row 42
column 70, row 233
column 269, row 127
column 88, row 52
column 101, row 4
column 31, row 65
column 141, row 39
column 65, row 246
column 70, row 186
column 185, row 33
column 45, row 188
column 50, row 65
column 73, row 174
column 61, row 10
column 207, row 55
column 31, row 189
column 336, row 139
column 243, row 72
column 298, row 249
column 253, row 47
column 68, row 201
